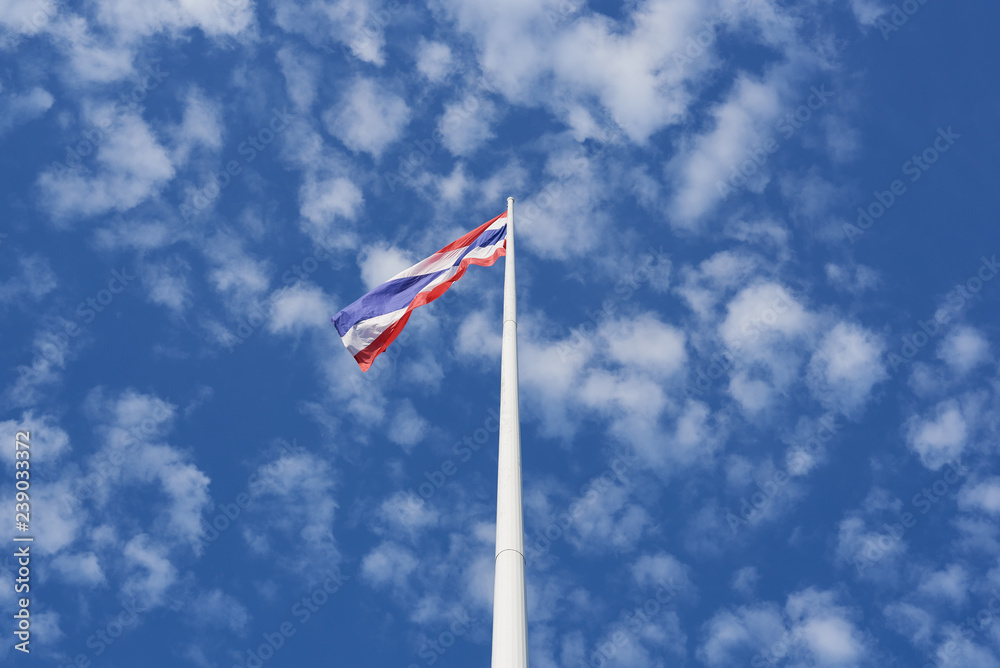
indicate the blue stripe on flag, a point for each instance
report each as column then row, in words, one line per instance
column 487, row 238
column 398, row 293
column 386, row 298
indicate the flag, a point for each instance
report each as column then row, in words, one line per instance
column 370, row 324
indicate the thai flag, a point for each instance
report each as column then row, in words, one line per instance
column 370, row 324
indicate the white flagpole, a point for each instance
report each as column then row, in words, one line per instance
column 510, row 617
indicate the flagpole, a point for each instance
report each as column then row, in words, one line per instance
column 510, row 618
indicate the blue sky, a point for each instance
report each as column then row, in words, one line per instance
column 758, row 336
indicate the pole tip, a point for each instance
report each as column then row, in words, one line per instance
column 510, row 199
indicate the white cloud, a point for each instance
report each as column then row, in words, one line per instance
column 856, row 279
column 34, row 280
column 739, row 126
column 654, row 640
column 323, row 201
column 423, row 371
column 216, row 18
column 357, row 24
column 217, row 609
column 82, row 569
column 842, row 138
column 983, row 495
column 130, row 167
column 50, row 441
column 549, row 375
column 302, row 72
column 629, row 73
column 368, row 118
column 451, row 188
column 608, row 391
column 846, row 366
column 297, row 504
column 131, row 411
column 911, row 621
column 201, row 126
column 184, row 484
column 27, row 17
column 132, row 425
column 811, row 197
column 950, row 585
column 150, row 571
column 388, row 563
column 814, row 630
column 407, row 427
column 760, row 314
column 833, row 641
column 957, row 650
column 928, row 380
column 166, row 283
column 939, row 439
column 238, row 277
column 607, row 520
column 867, row 12
column 730, row 635
column 963, row 349
column 653, row 570
column 871, row 544
column 133, row 234
column 51, row 352
column 583, row 377
column 465, row 124
column 434, row 60
column 89, row 59
column 509, row 176
column 574, row 189
column 745, row 580
column 703, row 286
column 765, row 330
column 406, row 513
column 751, row 394
column 56, row 523
column 46, row 625
column 18, row 108
column 379, row 263
column 479, row 337
column 298, row 307
column 644, row 342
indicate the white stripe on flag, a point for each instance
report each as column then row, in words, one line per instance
column 436, row 262
column 362, row 334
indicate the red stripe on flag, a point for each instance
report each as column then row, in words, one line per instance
column 471, row 236
column 365, row 357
